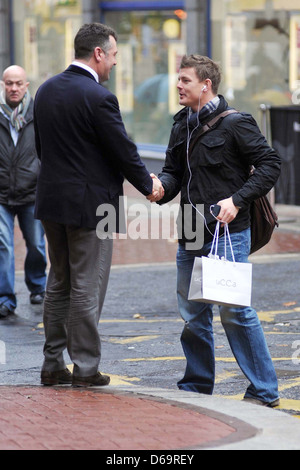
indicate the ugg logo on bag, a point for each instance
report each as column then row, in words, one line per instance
column 225, row 283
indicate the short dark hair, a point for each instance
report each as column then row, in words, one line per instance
column 90, row 36
column 205, row 68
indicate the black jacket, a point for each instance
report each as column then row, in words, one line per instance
column 220, row 164
column 19, row 166
column 84, row 150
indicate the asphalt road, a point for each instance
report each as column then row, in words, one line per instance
column 140, row 330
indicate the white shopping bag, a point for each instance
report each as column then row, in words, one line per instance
column 219, row 281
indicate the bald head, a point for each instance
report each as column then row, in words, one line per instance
column 16, row 85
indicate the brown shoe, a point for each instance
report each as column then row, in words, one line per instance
column 255, row 401
column 59, row 377
column 97, row 380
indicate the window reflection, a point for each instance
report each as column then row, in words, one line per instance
column 44, row 33
column 150, row 45
column 257, row 51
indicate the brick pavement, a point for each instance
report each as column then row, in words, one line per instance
column 63, row 418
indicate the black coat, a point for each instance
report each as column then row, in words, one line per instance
column 220, row 164
column 84, row 150
column 19, row 166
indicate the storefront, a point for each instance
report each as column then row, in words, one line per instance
column 43, row 35
column 257, row 43
column 152, row 40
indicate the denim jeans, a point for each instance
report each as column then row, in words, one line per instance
column 35, row 262
column 241, row 325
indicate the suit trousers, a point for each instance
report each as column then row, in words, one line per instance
column 76, row 289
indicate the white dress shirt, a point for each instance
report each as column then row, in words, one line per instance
column 86, row 67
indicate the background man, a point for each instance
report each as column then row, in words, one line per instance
column 85, row 153
column 19, row 167
column 214, row 169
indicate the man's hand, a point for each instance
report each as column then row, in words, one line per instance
column 228, row 211
column 158, row 191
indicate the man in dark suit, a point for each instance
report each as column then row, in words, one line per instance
column 85, row 154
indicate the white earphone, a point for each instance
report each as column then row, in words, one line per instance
column 204, row 88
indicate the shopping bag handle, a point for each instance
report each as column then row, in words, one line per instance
column 214, row 247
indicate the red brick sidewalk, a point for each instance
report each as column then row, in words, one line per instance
column 40, row 418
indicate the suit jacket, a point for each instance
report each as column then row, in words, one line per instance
column 84, row 150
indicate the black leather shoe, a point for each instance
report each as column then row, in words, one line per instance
column 59, row 377
column 97, row 380
column 5, row 311
column 37, row 299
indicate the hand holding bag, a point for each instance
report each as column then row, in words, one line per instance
column 219, row 281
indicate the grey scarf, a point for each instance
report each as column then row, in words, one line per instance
column 17, row 115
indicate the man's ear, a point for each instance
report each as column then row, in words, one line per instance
column 98, row 54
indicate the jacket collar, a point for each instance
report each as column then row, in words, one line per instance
column 182, row 114
column 180, row 120
column 80, row 71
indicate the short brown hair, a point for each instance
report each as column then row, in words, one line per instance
column 90, row 36
column 205, row 68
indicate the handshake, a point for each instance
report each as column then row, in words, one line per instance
column 158, row 191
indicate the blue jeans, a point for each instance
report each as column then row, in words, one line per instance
column 35, row 262
column 241, row 325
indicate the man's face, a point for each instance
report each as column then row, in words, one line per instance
column 15, row 86
column 189, row 88
column 109, row 60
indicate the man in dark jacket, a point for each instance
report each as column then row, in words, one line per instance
column 19, row 167
column 213, row 169
column 85, row 154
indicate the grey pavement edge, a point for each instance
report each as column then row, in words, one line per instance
column 258, row 428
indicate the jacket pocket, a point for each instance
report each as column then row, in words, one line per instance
column 207, row 168
column 210, row 151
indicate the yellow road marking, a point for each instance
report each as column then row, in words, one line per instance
column 266, row 316
column 181, row 358
column 290, row 383
column 153, row 359
column 134, row 339
column 132, row 320
column 224, row 376
column 269, row 316
column 122, row 379
column 291, row 405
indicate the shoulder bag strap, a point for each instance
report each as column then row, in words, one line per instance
column 209, row 126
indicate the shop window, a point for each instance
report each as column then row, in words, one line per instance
column 258, row 44
column 44, row 33
column 151, row 44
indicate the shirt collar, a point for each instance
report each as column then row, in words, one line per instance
column 86, row 67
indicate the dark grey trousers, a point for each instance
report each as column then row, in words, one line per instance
column 76, row 289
